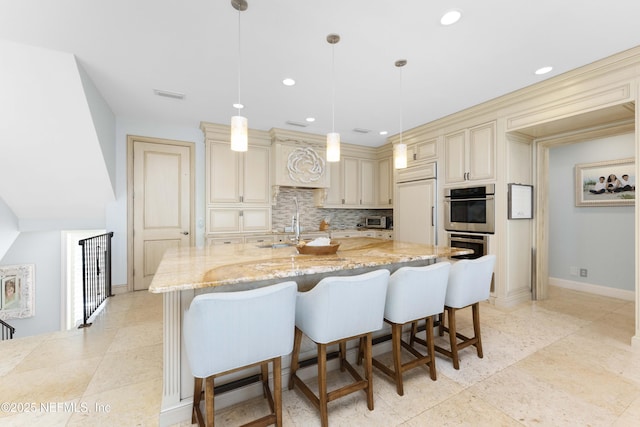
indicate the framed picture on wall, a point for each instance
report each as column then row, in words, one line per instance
column 607, row 183
column 16, row 291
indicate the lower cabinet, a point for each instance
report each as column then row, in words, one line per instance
column 386, row 234
column 352, row 233
column 237, row 238
column 230, row 220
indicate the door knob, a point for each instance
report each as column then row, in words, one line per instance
column 186, row 233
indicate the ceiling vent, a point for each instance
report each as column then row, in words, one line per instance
column 299, row 124
column 168, row 94
column 360, row 130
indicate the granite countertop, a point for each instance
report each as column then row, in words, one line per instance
column 220, row 265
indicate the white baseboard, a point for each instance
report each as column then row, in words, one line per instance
column 119, row 289
column 593, row 289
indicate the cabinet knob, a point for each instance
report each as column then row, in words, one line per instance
column 186, row 233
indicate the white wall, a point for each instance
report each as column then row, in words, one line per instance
column 42, row 249
column 600, row 239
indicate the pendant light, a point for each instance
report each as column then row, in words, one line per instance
column 333, row 138
column 239, row 124
column 400, row 149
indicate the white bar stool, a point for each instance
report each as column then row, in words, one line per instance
column 336, row 310
column 225, row 332
column 414, row 293
column 469, row 283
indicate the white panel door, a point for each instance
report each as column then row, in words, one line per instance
column 161, row 205
column 414, row 210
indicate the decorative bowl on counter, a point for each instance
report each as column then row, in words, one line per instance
column 305, row 249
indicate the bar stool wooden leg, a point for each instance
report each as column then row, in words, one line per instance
column 396, row 337
column 369, row 370
column 294, row 356
column 277, row 389
column 343, row 354
column 208, row 400
column 196, row 415
column 322, row 384
column 475, row 308
column 431, row 347
column 453, row 340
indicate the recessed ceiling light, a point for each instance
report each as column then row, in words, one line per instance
column 238, row 106
column 288, row 82
column 543, row 70
column 168, row 94
column 310, row 119
column 451, row 17
column 383, row 132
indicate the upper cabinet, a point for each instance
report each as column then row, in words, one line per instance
column 470, row 154
column 422, row 151
column 353, row 184
column 385, row 183
column 238, row 189
column 237, row 177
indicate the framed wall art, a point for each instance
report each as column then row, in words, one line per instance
column 17, row 291
column 608, row 183
column 520, row 201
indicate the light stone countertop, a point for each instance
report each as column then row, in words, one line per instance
column 248, row 263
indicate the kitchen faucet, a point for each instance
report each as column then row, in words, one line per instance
column 295, row 222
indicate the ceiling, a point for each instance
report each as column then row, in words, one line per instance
column 129, row 48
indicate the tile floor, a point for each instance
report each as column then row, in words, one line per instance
column 565, row 361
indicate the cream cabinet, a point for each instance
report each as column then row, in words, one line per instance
column 422, row 151
column 238, row 189
column 353, row 184
column 238, row 219
column 470, row 154
column 235, row 178
column 384, row 234
column 238, row 238
column 385, row 183
column 341, row 234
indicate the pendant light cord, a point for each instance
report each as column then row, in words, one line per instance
column 239, row 62
column 333, row 87
column 401, row 112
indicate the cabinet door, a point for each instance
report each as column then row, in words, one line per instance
column 256, row 219
column 223, row 220
column 413, row 216
column 368, row 182
column 455, row 157
column 482, row 151
column 350, row 181
column 255, row 175
column 334, row 192
column 223, row 172
column 385, row 182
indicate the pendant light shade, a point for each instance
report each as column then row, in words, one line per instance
column 333, row 147
column 333, row 138
column 400, row 148
column 400, row 156
column 239, row 124
column 239, row 133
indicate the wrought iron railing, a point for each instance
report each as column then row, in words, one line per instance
column 96, row 273
column 7, row 330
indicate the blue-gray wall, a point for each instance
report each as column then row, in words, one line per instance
column 600, row 239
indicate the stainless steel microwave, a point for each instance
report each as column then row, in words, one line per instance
column 470, row 209
column 378, row 222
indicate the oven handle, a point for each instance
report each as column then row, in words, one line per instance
column 463, row 240
column 473, row 199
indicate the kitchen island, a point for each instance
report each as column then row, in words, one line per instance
column 186, row 272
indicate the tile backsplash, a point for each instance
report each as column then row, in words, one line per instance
column 311, row 216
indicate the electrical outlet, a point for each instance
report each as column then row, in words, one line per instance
column 583, row 272
column 573, row 271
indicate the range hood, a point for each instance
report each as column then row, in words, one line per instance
column 298, row 160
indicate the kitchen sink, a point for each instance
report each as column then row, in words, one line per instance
column 276, row 245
